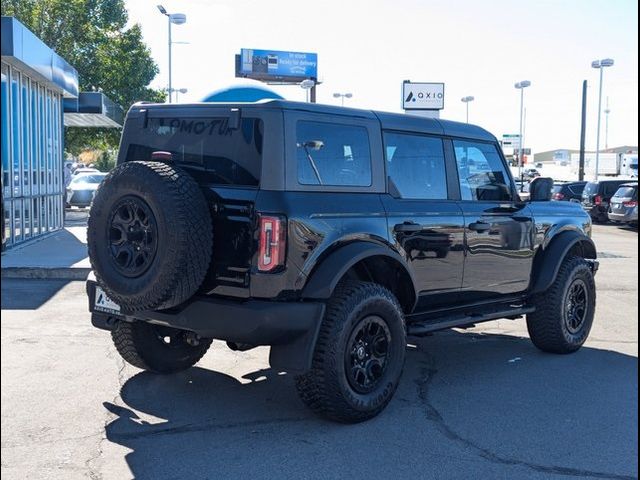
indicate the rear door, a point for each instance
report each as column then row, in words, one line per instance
column 424, row 222
column 498, row 226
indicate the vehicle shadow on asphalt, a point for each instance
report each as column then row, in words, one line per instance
column 486, row 403
column 28, row 294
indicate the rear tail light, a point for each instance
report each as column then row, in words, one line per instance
column 272, row 241
column 597, row 200
column 631, row 203
column 558, row 196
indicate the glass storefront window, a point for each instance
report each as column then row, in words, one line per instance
column 34, row 139
column 15, row 133
column 6, row 142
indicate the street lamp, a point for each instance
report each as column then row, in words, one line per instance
column 178, row 90
column 178, row 19
column 521, row 86
column 466, row 101
column 342, row 96
column 600, row 64
column 307, row 85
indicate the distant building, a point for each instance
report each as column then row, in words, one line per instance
column 562, row 156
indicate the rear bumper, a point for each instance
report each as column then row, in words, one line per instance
column 623, row 217
column 290, row 328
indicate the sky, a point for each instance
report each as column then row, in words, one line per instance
column 478, row 48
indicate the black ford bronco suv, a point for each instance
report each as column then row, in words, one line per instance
column 330, row 234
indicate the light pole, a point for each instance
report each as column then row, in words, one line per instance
column 178, row 19
column 521, row 86
column 600, row 64
column 177, row 91
column 307, row 85
column 342, row 96
column 607, row 111
column 466, row 101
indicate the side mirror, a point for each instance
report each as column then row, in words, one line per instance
column 540, row 189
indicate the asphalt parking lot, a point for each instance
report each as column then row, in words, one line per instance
column 478, row 403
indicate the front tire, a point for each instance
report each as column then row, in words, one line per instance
column 156, row 348
column 359, row 354
column 564, row 313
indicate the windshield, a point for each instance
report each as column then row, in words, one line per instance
column 93, row 178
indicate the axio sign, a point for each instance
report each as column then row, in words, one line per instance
column 422, row 96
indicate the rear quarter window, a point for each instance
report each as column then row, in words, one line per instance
column 332, row 154
column 227, row 156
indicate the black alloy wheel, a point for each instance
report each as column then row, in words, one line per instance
column 367, row 354
column 133, row 234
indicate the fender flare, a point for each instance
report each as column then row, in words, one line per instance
column 547, row 268
column 324, row 279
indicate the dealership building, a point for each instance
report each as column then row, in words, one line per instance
column 39, row 97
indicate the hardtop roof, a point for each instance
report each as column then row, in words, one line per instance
column 388, row 121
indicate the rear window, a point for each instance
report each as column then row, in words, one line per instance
column 333, row 154
column 89, row 178
column 626, row 192
column 611, row 188
column 557, row 188
column 590, row 188
column 226, row 156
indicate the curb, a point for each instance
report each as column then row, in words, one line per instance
column 44, row 273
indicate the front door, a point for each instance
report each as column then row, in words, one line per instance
column 425, row 225
column 498, row 226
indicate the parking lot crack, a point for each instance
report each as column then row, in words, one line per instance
column 425, row 381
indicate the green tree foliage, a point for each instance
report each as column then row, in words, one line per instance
column 92, row 35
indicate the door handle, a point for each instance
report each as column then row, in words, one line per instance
column 480, row 226
column 407, row 227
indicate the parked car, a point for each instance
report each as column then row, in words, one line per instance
column 82, row 188
column 329, row 234
column 523, row 189
column 531, row 173
column 624, row 204
column 568, row 191
column 84, row 170
column 596, row 197
column 539, row 165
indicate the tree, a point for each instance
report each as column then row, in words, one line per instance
column 92, row 35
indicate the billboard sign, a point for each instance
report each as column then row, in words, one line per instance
column 422, row 96
column 276, row 65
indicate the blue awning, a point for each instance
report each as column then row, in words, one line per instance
column 92, row 109
column 20, row 47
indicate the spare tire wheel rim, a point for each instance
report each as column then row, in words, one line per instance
column 133, row 236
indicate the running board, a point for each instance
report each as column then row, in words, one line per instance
column 425, row 327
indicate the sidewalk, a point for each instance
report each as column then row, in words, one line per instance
column 60, row 255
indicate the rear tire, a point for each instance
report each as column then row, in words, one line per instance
column 156, row 348
column 359, row 354
column 564, row 313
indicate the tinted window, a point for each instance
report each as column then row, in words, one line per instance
column 415, row 165
column 610, row 188
column 482, row 173
column 332, row 154
column 590, row 189
column 228, row 156
column 576, row 189
column 626, row 192
column 557, row 188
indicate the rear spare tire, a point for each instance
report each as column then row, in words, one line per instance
column 149, row 236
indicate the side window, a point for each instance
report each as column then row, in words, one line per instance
column 333, row 154
column 416, row 166
column 482, row 173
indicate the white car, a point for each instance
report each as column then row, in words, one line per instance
column 82, row 188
